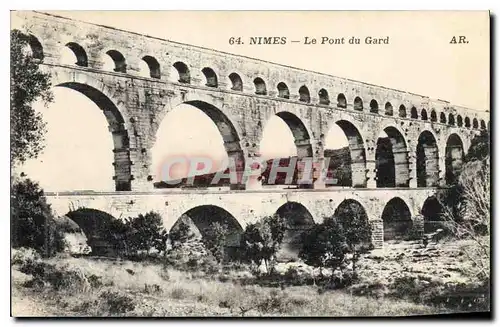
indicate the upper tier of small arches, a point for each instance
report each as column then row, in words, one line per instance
column 182, row 74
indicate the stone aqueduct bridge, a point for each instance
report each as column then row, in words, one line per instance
column 428, row 137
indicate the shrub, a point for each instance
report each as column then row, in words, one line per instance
column 32, row 223
column 117, row 302
column 144, row 233
column 262, row 240
column 216, row 238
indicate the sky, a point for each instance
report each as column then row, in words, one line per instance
column 419, row 59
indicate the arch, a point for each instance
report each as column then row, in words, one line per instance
column 283, row 91
column 460, row 121
column 352, row 213
column 236, row 82
column 304, row 95
column 341, row 101
column 299, row 131
column 36, row 47
column 451, row 119
column 402, row 111
column 119, row 60
column 388, row 109
column 423, row 114
column 432, row 212
column 391, row 156
column 427, row 160
column 298, row 220
column 122, row 163
column 374, row 106
column 80, row 54
column 323, row 97
column 210, row 77
column 154, row 66
column 467, row 122
column 454, row 158
column 198, row 225
column 357, row 158
column 414, row 113
column 95, row 224
column 475, row 123
column 397, row 219
column 260, row 86
column 483, row 124
column 184, row 76
column 433, row 115
column 358, row 104
column 442, row 118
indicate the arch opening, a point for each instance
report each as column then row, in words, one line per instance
column 212, row 146
column 423, row 114
column 63, row 166
column 402, row 111
column 345, row 156
column 460, row 121
column 454, row 158
column 298, row 220
column 236, row 82
column 79, row 54
column 483, row 124
column 183, row 74
column 467, row 122
column 451, row 119
column 475, row 124
column 323, row 97
column 427, row 160
column 414, row 113
column 442, row 118
column 397, row 220
column 358, row 104
column 432, row 212
column 199, row 224
column 391, row 156
column 388, row 109
column 283, row 91
column 350, row 212
column 341, row 101
column 210, row 77
column 95, row 225
column 35, row 47
column 433, row 115
column 260, row 86
column 374, row 106
column 294, row 145
column 153, row 66
column 120, row 66
column 304, row 95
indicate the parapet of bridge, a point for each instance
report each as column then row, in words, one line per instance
column 426, row 138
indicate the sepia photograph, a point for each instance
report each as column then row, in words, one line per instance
column 250, row 164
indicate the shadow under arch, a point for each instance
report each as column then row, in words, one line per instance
column 197, row 225
column 298, row 220
column 427, row 160
column 97, row 227
column 391, row 157
column 397, row 219
column 122, row 163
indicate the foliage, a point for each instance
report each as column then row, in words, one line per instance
column 325, row 245
column 32, row 223
column 480, row 147
column 356, row 229
column 216, row 238
column 28, row 84
column 146, row 232
column 180, row 234
column 261, row 241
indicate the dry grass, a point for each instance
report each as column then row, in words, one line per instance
column 146, row 289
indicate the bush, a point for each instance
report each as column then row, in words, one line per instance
column 117, row 302
column 24, row 256
column 32, row 222
column 144, row 233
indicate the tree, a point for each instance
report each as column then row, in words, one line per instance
column 325, row 245
column 356, row 229
column 261, row 241
column 32, row 222
column 28, row 84
column 216, row 238
column 180, row 234
column 146, row 232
